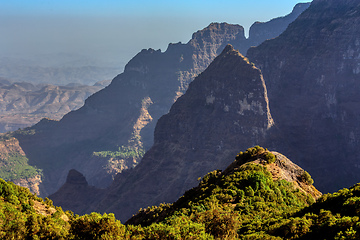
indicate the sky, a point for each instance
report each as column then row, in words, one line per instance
column 115, row 30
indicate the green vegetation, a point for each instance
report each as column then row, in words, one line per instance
column 243, row 202
column 123, row 152
column 333, row 216
column 20, row 132
column 25, row 216
column 15, row 166
column 255, row 152
column 307, row 178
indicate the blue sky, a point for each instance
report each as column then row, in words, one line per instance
column 118, row 29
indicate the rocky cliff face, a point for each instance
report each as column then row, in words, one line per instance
column 312, row 74
column 225, row 109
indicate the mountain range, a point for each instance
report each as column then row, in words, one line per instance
column 57, row 69
column 115, row 127
column 295, row 94
column 225, row 109
column 23, row 104
column 299, row 97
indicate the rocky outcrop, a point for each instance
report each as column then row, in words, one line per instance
column 312, row 73
column 284, row 169
column 225, row 109
column 76, row 192
column 209, row 42
column 76, row 178
column 32, row 183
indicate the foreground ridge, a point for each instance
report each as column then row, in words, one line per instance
column 261, row 195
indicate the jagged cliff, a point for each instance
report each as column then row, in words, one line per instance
column 225, row 109
column 312, row 74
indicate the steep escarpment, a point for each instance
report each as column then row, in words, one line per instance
column 312, row 72
column 225, row 109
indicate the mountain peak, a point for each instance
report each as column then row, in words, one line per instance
column 75, row 177
column 228, row 48
column 224, row 109
column 216, row 28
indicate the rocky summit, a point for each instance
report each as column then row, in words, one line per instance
column 76, row 187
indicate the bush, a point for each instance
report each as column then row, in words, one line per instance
column 97, row 226
column 305, row 176
column 244, row 157
column 269, row 157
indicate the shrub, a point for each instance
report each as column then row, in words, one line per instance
column 305, row 176
column 269, row 157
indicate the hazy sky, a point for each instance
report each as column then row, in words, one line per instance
column 118, row 29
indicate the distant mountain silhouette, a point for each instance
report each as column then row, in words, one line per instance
column 23, row 104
